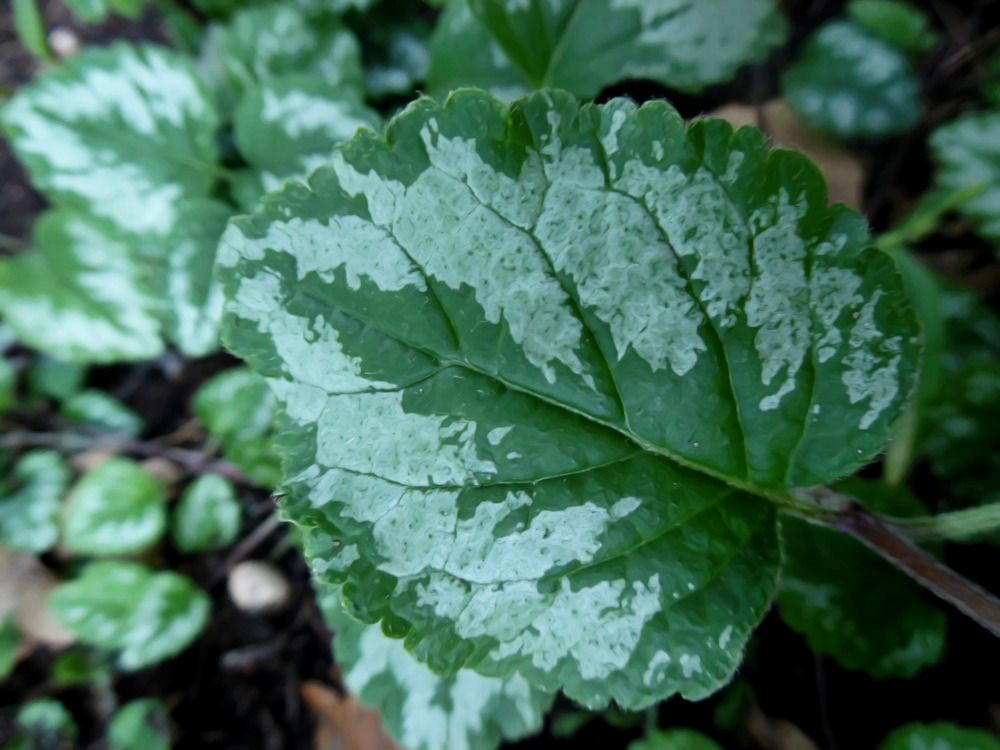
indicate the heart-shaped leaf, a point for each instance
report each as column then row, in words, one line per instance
column 542, row 365
column 29, row 513
column 582, row 46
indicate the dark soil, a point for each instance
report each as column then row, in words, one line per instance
column 238, row 686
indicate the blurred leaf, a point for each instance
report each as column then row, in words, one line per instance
column 127, row 607
column 95, row 11
column 10, row 640
column 396, row 52
column 99, row 409
column 901, row 24
column 852, row 605
column 925, row 216
column 939, row 736
column 967, row 152
column 852, row 84
column 512, row 48
column 140, row 725
column 238, row 408
column 207, row 516
column 31, row 28
column 8, row 382
column 80, row 667
column 53, row 378
column 42, row 724
column 115, row 509
column 29, row 511
column 675, row 739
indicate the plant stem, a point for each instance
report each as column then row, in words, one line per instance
column 957, row 525
column 880, row 535
column 192, row 462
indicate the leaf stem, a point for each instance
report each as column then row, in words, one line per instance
column 880, row 535
column 958, row 525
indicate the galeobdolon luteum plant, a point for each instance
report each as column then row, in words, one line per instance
column 548, row 372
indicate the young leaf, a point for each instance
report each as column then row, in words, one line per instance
column 123, row 606
column 29, row 514
column 120, row 132
column 422, row 710
column 102, row 410
column 207, row 516
column 675, row 739
column 140, row 725
column 238, row 408
column 43, row 723
column 286, row 128
column 853, row 84
column 501, row 339
column 31, row 28
column 939, row 736
column 850, row 604
column 967, row 152
column 115, row 509
column 585, row 45
column 898, row 22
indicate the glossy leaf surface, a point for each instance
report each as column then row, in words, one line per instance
column 502, row 339
column 582, row 46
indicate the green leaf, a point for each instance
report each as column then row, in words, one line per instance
column 96, row 11
column 238, row 408
column 8, row 383
column 115, row 509
column 121, row 132
column 939, row 736
column 123, row 606
column 584, row 45
column 967, row 152
column 675, row 739
column 10, row 639
column 102, row 410
column 207, row 516
column 852, row 84
column 140, row 725
column 286, row 128
column 501, row 339
column 80, row 666
column 29, row 513
column 43, row 723
column 420, row 709
column 52, row 378
column 897, row 22
column 31, row 28
column 81, row 297
column 991, row 86
column 265, row 44
column 397, row 53
column 852, row 605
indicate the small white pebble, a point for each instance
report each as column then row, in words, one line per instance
column 258, row 587
column 64, row 42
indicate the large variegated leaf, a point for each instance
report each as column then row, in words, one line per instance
column 584, row 45
column 422, row 710
column 541, row 365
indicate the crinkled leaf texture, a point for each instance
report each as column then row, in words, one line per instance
column 582, row 46
column 539, row 364
column 853, row 84
column 967, row 151
column 122, row 140
column 465, row 711
column 852, row 605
